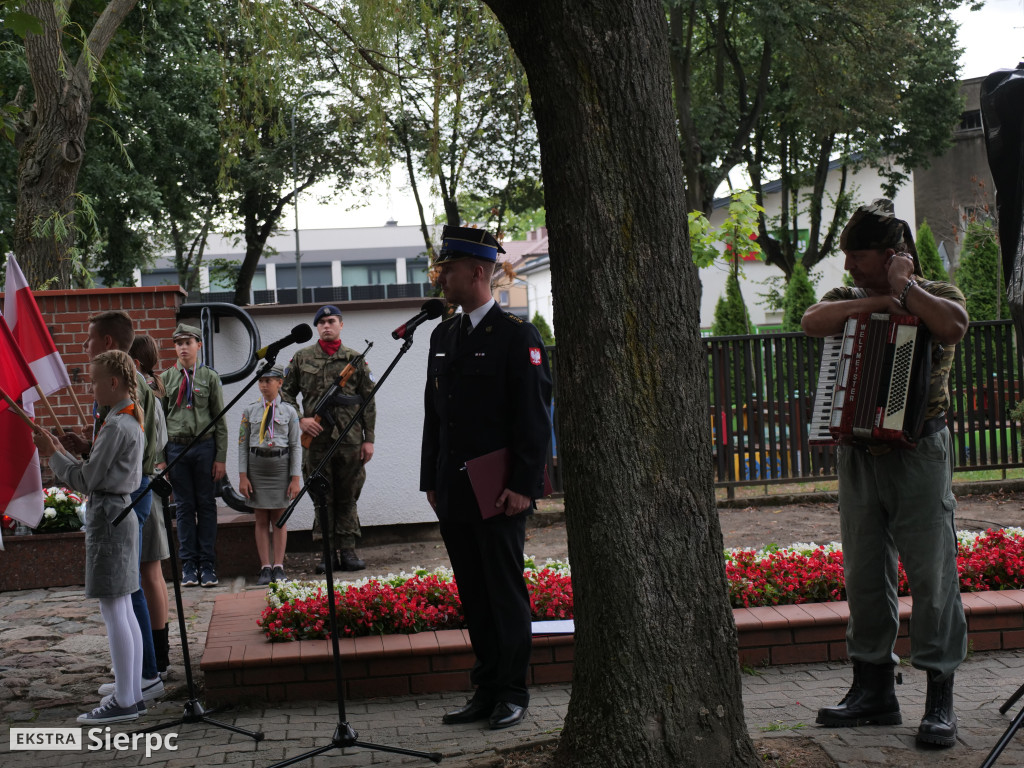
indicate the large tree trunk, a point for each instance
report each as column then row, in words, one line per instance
column 51, row 142
column 657, row 680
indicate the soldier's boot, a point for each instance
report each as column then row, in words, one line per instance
column 939, row 723
column 348, row 560
column 321, row 568
column 871, row 699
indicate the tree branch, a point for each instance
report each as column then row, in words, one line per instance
column 104, row 30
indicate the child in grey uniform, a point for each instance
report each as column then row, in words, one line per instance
column 112, row 471
column 270, row 469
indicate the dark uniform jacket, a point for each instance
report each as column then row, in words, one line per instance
column 485, row 391
column 312, row 372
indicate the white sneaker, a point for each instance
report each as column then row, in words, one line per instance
column 150, row 688
column 111, row 712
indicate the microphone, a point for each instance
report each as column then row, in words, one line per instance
column 429, row 311
column 299, row 334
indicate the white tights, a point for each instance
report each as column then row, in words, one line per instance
column 125, row 647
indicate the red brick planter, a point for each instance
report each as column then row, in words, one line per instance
column 239, row 664
column 58, row 559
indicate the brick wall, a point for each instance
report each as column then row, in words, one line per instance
column 66, row 314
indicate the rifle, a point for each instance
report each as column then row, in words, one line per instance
column 333, row 397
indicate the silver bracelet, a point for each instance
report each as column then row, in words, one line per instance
column 903, row 294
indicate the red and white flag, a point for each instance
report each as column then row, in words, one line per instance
column 31, row 334
column 21, row 483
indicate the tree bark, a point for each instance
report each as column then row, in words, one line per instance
column 657, row 679
column 52, row 142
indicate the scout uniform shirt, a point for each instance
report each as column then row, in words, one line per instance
column 273, row 427
column 190, row 408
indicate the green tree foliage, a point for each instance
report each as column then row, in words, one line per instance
column 444, row 96
column 731, row 316
column 979, row 275
column 64, row 55
column 786, row 89
column 928, row 254
column 798, row 296
column 546, row 335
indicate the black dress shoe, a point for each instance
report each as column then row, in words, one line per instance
column 472, row 711
column 506, row 715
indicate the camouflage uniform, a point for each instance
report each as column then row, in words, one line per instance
column 311, row 373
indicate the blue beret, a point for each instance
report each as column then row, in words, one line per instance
column 327, row 311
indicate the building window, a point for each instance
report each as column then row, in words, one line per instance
column 368, row 274
column 970, row 121
column 503, row 298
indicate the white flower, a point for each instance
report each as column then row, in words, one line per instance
column 60, row 496
column 49, row 512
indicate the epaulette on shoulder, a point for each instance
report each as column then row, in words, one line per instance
column 514, row 318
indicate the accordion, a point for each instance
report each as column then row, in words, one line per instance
column 873, row 381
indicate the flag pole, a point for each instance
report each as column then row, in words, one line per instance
column 49, row 408
column 78, row 407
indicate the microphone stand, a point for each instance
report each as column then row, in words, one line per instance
column 193, row 711
column 344, row 734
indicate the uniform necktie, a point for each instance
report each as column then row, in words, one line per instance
column 268, row 415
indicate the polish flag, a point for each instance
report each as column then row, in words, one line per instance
column 31, row 334
column 21, row 484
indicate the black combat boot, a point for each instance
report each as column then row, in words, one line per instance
column 348, row 560
column 871, row 699
column 939, row 723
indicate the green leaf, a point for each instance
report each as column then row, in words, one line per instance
column 21, row 23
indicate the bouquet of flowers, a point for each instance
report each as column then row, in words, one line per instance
column 63, row 511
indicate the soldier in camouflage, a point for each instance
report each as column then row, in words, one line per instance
column 898, row 502
column 311, row 373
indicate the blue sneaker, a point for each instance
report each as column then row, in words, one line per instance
column 189, row 575
column 110, row 712
column 208, row 577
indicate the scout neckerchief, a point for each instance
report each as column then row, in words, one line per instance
column 269, row 412
column 187, row 389
column 129, row 409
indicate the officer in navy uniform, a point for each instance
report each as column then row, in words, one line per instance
column 488, row 387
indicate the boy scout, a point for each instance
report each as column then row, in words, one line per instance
column 193, row 397
column 311, row 373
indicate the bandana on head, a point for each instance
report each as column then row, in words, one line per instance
column 875, row 227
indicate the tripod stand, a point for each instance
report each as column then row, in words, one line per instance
column 1007, row 736
column 344, row 734
column 193, row 712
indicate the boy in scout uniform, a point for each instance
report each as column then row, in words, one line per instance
column 193, row 397
column 311, row 373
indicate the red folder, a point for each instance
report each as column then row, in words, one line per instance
column 489, row 475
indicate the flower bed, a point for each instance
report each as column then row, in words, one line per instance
column 801, row 573
column 404, row 604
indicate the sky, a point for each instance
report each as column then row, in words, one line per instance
column 992, row 38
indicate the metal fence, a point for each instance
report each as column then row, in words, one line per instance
column 761, row 397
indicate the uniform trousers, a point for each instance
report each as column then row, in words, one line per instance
column 487, row 558
column 345, row 475
column 196, row 501
column 901, row 504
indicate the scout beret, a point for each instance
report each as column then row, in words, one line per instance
column 468, row 243
column 183, row 330
column 327, row 311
